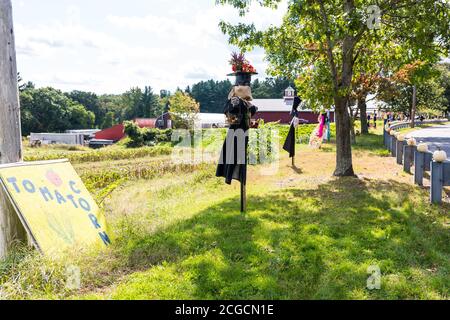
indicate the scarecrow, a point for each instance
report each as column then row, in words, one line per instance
column 289, row 144
column 239, row 110
column 317, row 135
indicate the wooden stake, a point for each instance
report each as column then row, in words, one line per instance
column 295, row 145
column 11, row 229
column 243, row 198
column 414, row 107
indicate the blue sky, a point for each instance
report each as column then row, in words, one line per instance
column 108, row 46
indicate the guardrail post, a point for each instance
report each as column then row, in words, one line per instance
column 399, row 151
column 387, row 143
column 408, row 157
column 419, row 166
column 393, row 146
column 437, row 182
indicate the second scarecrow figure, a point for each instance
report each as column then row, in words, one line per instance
column 289, row 144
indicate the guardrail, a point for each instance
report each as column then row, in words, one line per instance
column 408, row 154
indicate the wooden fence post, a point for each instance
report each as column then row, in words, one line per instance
column 419, row 162
column 437, row 182
column 393, row 146
column 408, row 157
column 11, row 228
column 399, row 151
column 388, row 141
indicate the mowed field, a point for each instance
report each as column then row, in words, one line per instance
column 178, row 234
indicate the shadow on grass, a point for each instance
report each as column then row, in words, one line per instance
column 304, row 244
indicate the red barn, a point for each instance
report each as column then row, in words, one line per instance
column 273, row 110
column 117, row 133
column 114, row 133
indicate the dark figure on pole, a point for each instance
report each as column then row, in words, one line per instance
column 239, row 111
column 289, row 144
column 233, row 158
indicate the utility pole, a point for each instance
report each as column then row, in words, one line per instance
column 414, row 107
column 11, row 229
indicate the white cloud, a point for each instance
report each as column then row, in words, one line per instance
column 110, row 52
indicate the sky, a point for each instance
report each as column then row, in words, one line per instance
column 109, row 46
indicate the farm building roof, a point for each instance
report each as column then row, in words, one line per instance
column 211, row 118
column 275, row 105
column 145, row 123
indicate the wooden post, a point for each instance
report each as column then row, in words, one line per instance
column 393, row 146
column 388, row 141
column 408, row 157
column 414, row 107
column 11, row 229
column 399, row 151
column 437, row 182
column 243, row 198
column 419, row 167
column 295, row 142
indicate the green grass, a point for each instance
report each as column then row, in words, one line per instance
column 295, row 244
column 180, row 235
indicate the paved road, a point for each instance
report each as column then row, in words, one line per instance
column 438, row 136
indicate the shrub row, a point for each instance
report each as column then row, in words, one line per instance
column 111, row 153
column 139, row 137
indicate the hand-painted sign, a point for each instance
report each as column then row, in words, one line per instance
column 54, row 206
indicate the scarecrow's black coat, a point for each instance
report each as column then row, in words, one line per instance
column 289, row 144
column 235, row 167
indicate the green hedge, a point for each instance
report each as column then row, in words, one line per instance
column 139, row 137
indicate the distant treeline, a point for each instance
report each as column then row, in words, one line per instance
column 51, row 110
column 212, row 95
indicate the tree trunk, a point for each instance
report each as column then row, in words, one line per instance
column 362, row 106
column 352, row 124
column 352, row 132
column 344, row 164
column 414, row 107
column 11, row 229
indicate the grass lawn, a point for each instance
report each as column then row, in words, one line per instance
column 306, row 235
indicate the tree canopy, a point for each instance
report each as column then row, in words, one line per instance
column 319, row 43
column 184, row 110
column 49, row 110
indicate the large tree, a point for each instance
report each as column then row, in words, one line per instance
column 49, row 110
column 91, row 102
column 111, row 103
column 271, row 88
column 211, row 95
column 444, row 81
column 140, row 104
column 429, row 81
column 321, row 41
column 184, row 110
